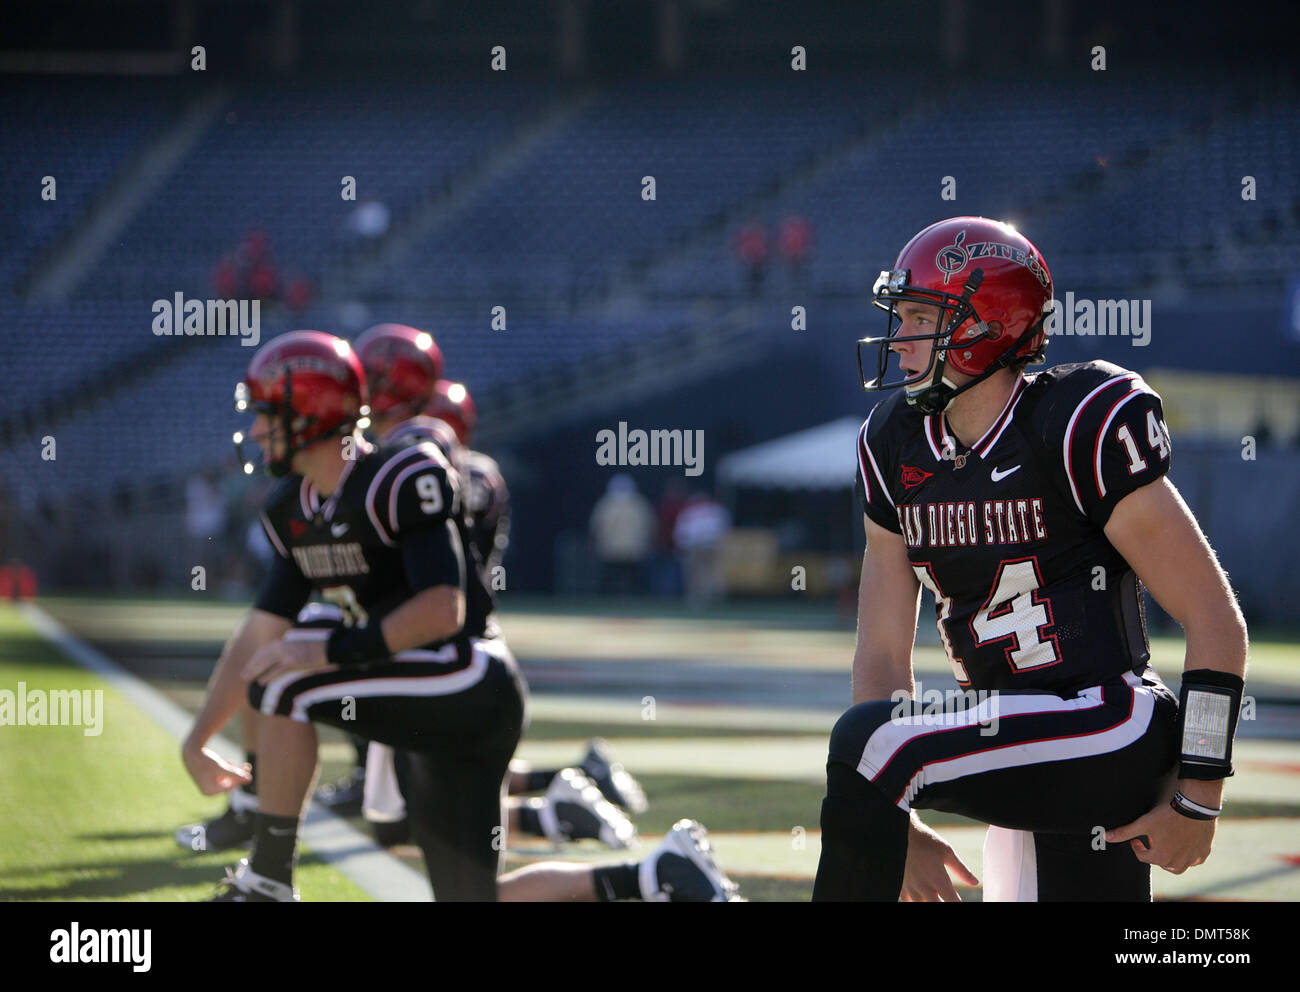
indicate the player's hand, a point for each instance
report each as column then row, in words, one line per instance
column 280, row 656
column 213, row 773
column 929, row 856
column 1177, row 842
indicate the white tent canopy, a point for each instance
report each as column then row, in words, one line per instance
column 822, row 457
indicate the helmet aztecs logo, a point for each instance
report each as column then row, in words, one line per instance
column 271, row 373
column 952, row 258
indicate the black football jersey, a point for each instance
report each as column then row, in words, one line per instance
column 1029, row 593
column 415, row 430
column 487, row 501
column 485, row 497
column 351, row 547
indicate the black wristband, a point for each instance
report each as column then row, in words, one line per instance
column 1193, row 810
column 1209, row 704
column 357, row 645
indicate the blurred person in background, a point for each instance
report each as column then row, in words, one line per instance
column 369, row 220
column 794, row 242
column 367, row 225
column 205, row 517
column 299, row 292
column 622, row 530
column 701, row 528
column 750, row 248
column 666, row 579
column 225, row 278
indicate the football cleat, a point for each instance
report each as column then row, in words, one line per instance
column 344, row 796
column 612, row 779
column 233, row 828
column 245, row 885
column 682, row 869
column 574, row 809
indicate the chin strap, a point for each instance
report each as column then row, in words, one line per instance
column 935, row 399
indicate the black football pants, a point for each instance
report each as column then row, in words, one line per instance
column 1057, row 768
column 460, row 729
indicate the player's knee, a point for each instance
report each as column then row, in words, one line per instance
column 256, row 691
column 844, row 781
column 851, row 731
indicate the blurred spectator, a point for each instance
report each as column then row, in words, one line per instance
column 794, row 242
column 249, row 272
column 1262, row 432
column 622, row 530
column 263, row 281
column 701, row 528
column 300, row 293
column 251, row 544
column 258, row 545
column 750, row 247
column 666, row 573
column 254, row 249
column 369, row 220
column 8, row 534
column 205, row 518
column 225, row 278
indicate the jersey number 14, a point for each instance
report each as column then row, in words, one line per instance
column 1015, row 610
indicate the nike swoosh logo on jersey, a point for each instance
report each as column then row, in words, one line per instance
column 998, row 475
column 338, row 530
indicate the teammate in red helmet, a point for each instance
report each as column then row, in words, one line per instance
column 452, row 404
column 403, row 366
column 413, row 657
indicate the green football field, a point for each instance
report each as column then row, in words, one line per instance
column 91, row 817
column 84, row 817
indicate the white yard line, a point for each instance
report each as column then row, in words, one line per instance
column 338, row 843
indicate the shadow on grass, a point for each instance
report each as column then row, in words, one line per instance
column 123, row 835
column 120, row 880
column 25, row 649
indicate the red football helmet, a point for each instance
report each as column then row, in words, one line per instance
column 403, row 365
column 993, row 291
column 311, row 384
column 452, row 405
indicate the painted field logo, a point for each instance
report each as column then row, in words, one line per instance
column 179, row 317
column 77, row 946
column 1101, row 318
column 655, row 447
column 53, row 708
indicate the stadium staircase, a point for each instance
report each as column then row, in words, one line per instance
column 633, row 371
column 711, row 230
column 445, row 203
column 72, row 258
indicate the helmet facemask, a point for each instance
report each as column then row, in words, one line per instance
column 928, row 391
column 290, row 426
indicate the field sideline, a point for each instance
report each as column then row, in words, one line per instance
column 741, row 705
